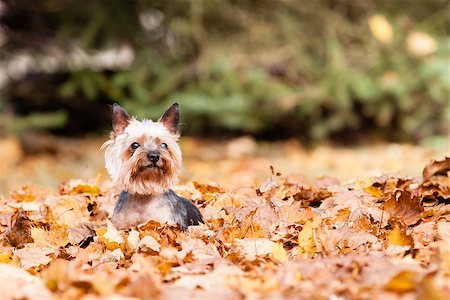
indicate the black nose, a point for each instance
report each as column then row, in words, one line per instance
column 153, row 156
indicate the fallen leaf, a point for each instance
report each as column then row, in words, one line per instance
column 57, row 236
column 251, row 248
column 403, row 206
column 404, row 281
column 306, row 238
column 32, row 257
column 374, row 191
column 397, row 236
column 279, row 253
column 436, row 168
column 110, row 237
column 19, row 232
column 148, row 242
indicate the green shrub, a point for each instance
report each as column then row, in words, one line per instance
column 269, row 68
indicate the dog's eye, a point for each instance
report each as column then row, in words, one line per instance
column 163, row 145
column 135, row 145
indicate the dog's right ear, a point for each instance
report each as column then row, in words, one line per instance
column 120, row 119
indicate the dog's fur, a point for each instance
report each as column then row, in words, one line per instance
column 144, row 159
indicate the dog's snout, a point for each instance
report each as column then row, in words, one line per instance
column 153, row 156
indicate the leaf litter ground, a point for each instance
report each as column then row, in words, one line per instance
column 284, row 236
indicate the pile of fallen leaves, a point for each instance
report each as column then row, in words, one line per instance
column 288, row 238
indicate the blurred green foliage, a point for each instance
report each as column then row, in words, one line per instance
column 312, row 69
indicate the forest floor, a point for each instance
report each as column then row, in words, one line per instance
column 240, row 162
column 281, row 221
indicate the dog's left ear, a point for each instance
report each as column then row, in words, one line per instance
column 171, row 118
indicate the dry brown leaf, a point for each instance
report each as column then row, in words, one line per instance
column 436, row 168
column 404, row 207
column 19, row 232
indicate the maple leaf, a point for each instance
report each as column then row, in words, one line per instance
column 57, row 236
column 111, row 237
column 33, row 257
column 68, row 210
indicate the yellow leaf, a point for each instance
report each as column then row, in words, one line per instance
column 376, row 192
column 57, row 236
column 86, row 188
column 381, row 29
column 398, row 237
column 402, row 282
column 306, row 238
column 6, row 258
column 278, row 252
column 111, row 237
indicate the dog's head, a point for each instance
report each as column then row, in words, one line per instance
column 143, row 157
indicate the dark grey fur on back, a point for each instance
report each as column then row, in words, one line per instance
column 168, row 208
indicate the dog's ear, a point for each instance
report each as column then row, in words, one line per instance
column 120, row 119
column 171, row 118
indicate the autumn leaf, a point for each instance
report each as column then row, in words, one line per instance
column 110, row 237
column 27, row 193
column 5, row 258
column 374, row 191
column 32, row 256
column 369, row 239
column 148, row 242
column 57, row 236
column 405, row 281
column 75, row 187
column 279, row 253
column 398, row 237
column 436, row 168
column 19, row 232
column 306, row 238
column 403, row 206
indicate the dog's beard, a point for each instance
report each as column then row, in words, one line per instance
column 141, row 176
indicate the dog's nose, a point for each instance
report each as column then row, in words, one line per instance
column 153, row 156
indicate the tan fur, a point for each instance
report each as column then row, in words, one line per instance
column 131, row 170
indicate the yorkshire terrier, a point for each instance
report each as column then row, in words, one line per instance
column 144, row 159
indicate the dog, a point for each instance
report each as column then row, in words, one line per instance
column 144, row 159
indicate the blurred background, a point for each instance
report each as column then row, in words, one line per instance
column 265, row 78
